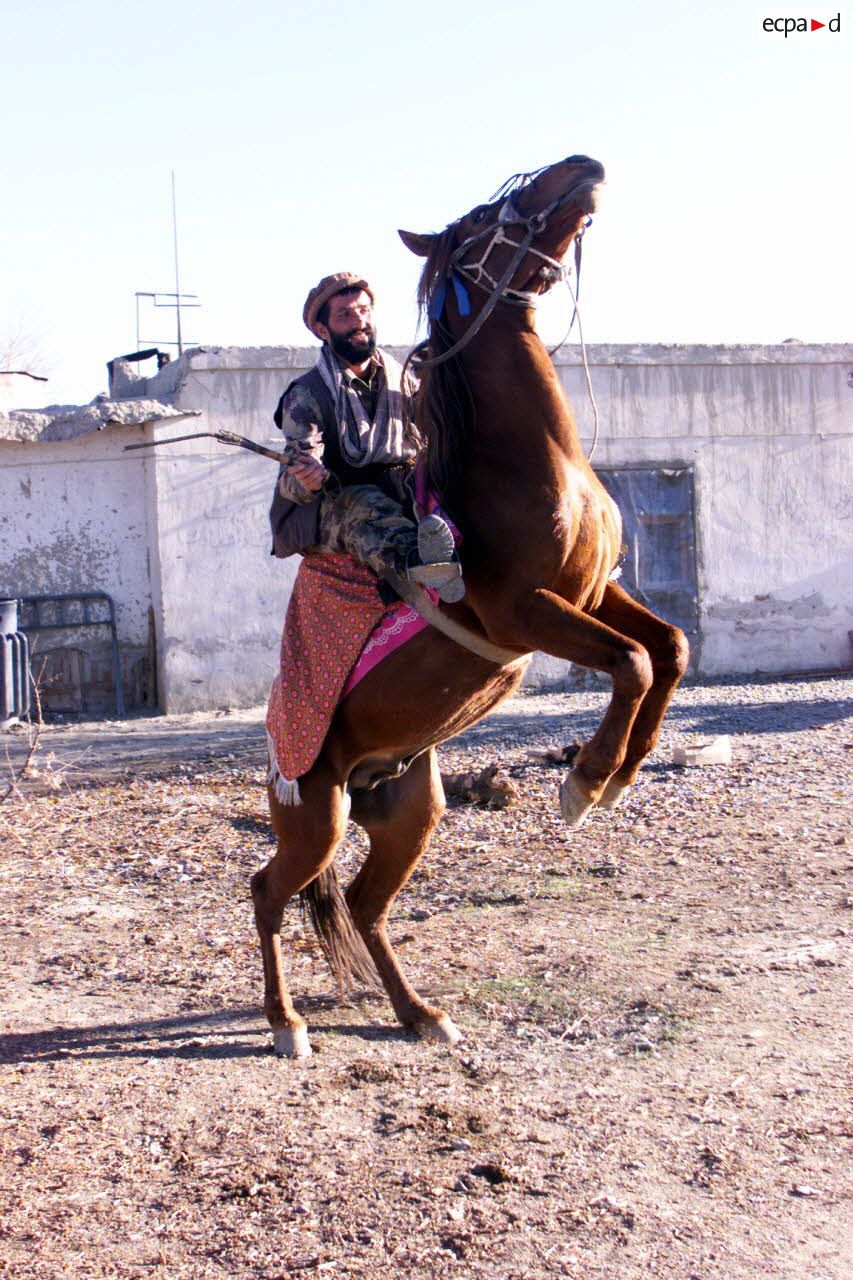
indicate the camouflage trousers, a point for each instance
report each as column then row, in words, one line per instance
column 362, row 520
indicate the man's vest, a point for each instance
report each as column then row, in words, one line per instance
column 389, row 477
column 295, row 526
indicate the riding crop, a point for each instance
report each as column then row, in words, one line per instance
column 289, row 454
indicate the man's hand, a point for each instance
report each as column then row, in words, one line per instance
column 308, row 473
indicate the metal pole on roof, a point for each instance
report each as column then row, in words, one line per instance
column 177, row 277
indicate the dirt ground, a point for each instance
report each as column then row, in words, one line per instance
column 656, row 1015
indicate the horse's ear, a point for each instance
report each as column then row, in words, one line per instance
column 419, row 244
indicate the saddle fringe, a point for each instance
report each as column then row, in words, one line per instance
column 286, row 790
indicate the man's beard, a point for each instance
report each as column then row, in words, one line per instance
column 354, row 351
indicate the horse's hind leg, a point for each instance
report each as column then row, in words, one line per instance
column 669, row 652
column 308, row 835
column 399, row 818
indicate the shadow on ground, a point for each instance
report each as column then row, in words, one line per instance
column 702, row 720
column 227, row 1033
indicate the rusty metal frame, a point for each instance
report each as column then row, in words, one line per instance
column 86, row 599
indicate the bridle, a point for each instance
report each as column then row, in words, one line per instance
column 478, row 272
column 498, row 288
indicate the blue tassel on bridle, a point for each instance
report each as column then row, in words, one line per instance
column 463, row 300
column 436, row 302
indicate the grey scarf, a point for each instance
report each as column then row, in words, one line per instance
column 384, row 440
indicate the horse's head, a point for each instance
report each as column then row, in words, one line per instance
column 511, row 248
column 507, row 251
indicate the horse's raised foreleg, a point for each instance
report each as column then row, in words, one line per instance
column 669, row 652
column 399, row 818
column 543, row 620
column 308, row 835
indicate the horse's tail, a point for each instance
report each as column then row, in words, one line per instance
column 346, row 954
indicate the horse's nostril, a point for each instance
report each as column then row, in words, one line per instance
column 577, row 160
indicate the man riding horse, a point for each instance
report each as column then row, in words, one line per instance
column 352, row 484
column 541, row 539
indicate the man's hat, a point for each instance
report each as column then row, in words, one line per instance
column 326, row 290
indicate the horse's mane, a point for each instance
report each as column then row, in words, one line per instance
column 444, row 411
column 444, row 415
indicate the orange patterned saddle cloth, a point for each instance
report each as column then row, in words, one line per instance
column 337, row 628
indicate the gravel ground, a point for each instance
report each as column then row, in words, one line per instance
column 654, row 1077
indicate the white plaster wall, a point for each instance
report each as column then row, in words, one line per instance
column 221, row 595
column 73, row 518
column 769, row 433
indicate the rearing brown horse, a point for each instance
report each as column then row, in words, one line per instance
column 541, row 538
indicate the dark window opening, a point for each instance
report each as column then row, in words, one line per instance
column 659, row 570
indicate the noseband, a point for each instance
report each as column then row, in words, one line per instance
column 477, row 272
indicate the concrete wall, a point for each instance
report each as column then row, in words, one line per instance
column 766, row 430
column 222, row 596
column 74, row 516
column 769, row 433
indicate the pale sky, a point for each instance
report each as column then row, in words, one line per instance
column 304, row 134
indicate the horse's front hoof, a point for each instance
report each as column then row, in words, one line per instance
column 575, row 804
column 291, row 1042
column 441, row 1030
column 613, row 795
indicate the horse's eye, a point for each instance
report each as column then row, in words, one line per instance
column 479, row 215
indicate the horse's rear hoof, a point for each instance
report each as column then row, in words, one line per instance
column 442, row 1030
column 291, row 1042
column 613, row 795
column 574, row 803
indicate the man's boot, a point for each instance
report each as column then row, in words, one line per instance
column 435, row 565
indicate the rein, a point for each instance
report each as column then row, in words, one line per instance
column 415, row 596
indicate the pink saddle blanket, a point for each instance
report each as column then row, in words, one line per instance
column 336, row 630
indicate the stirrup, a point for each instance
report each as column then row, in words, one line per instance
column 444, row 578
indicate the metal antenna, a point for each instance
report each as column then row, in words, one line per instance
column 160, row 299
column 177, row 276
